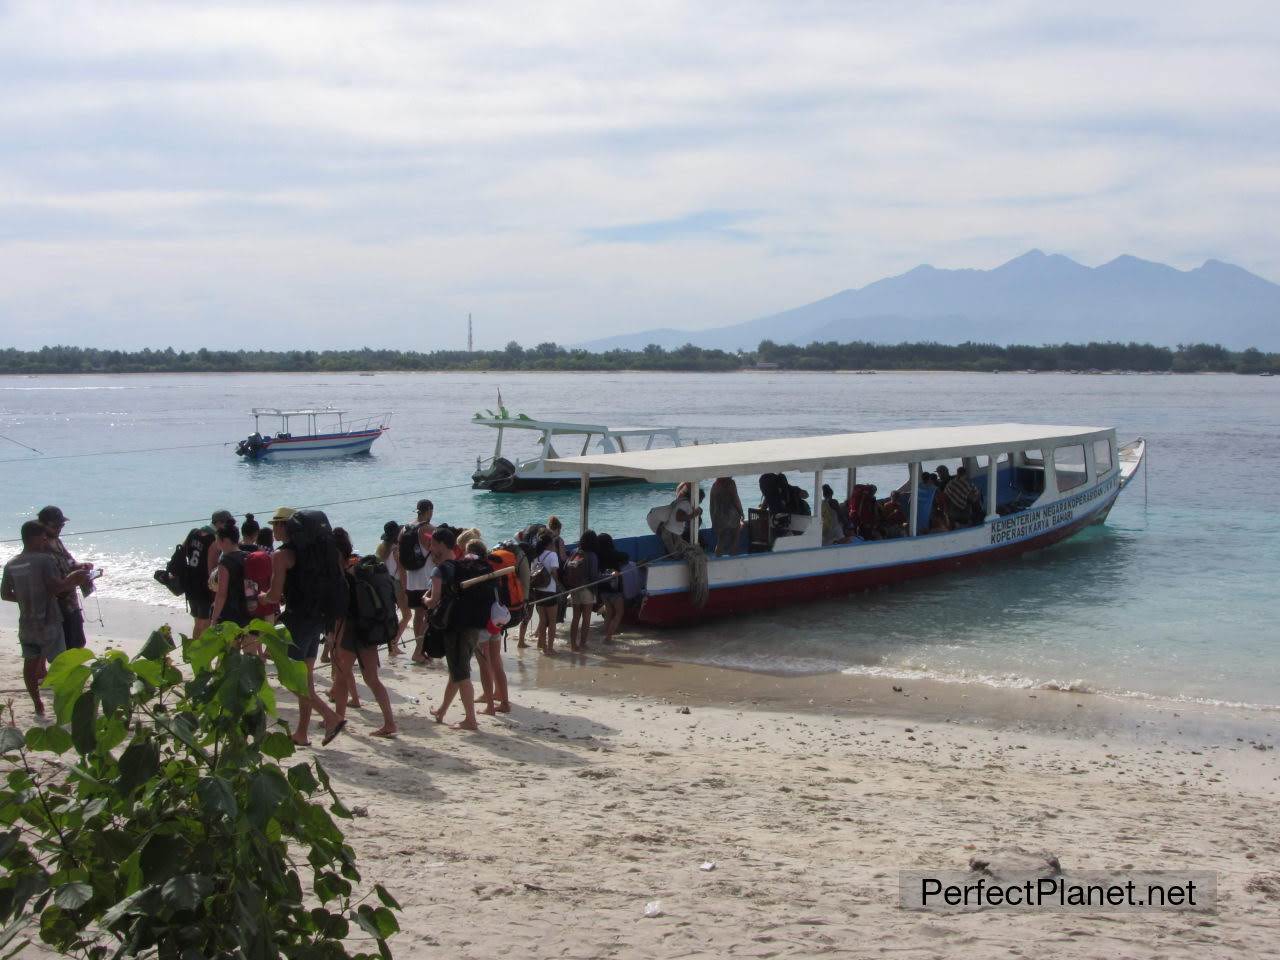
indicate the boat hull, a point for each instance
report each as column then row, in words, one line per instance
column 319, row 447
column 755, row 582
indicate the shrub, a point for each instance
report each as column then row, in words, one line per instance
column 156, row 818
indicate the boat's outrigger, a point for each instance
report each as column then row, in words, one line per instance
column 1037, row 485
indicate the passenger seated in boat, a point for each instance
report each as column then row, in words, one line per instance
column 833, row 530
column 961, row 498
column 944, row 477
column 893, row 520
column 863, row 513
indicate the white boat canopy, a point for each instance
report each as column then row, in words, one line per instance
column 306, row 412
column 830, row 452
column 565, row 427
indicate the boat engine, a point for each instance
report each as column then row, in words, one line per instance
column 500, row 476
column 250, row 446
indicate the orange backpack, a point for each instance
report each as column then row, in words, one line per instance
column 500, row 558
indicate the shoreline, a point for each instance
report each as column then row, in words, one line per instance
column 625, row 672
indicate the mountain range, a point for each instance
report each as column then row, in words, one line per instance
column 1035, row 299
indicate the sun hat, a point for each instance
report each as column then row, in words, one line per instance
column 282, row 514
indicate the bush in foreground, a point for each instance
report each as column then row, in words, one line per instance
column 157, row 818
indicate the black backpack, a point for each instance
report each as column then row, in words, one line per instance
column 317, row 584
column 374, row 614
column 409, row 551
column 464, row 609
column 174, row 575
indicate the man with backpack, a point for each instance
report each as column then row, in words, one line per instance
column 459, row 614
column 307, row 574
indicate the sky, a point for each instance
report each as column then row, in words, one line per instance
column 312, row 175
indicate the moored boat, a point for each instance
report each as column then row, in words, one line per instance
column 327, row 434
column 541, row 471
column 1035, row 486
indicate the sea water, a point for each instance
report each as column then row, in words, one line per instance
column 1176, row 596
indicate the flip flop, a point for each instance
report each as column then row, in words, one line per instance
column 329, row 735
column 383, row 733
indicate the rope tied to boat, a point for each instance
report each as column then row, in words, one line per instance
column 696, row 559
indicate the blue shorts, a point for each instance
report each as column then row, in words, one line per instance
column 306, row 636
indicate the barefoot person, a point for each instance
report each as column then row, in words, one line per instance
column 306, row 625
column 32, row 580
column 358, row 641
column 459, row 642
column 493, row 675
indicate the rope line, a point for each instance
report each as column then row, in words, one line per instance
column 309, row 506
column 20, row 444
column 106, row 453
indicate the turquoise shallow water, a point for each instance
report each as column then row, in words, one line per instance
column 1174, row 597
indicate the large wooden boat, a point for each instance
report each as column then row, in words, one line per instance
column 1037, row 485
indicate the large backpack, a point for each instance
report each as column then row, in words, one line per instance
column 510, row 589
column 317, row 583
column 373, row 615
column 465, row 609
column 409, row 551
column 174, row 574
column 195, row 576
column 576, row 571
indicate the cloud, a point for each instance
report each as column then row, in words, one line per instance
column 279, row 170
column 719, row 224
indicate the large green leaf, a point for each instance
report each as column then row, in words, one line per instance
column 66, row 678
column 201, row 651
column 138, row 764
column 267, row 790
column 54, row 739
column 186, row 890
column 64, row 665
column 73, row 896
column 302, row 779
column 291, row 673
column 278, row 745
column 387, row 899
column 84, row 724
column 379, row 922
column 112, row 681
column 11, row 739
column 216, row 796
column 158, row 644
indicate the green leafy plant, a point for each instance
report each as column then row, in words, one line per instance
column 158, row 818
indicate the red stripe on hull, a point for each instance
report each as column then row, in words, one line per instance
column 672, row 609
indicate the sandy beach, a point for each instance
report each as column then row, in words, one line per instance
column 616, row 779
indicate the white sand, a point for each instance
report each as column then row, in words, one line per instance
column 546, row 834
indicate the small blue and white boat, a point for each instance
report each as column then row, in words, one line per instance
column 321, row 439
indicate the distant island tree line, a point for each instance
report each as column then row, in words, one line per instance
column 858, row 355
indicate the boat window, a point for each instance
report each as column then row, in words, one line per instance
column 1068, row 466
column 1033, row 458
column 1102, row 460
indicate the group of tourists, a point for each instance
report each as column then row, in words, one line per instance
column 439, row 586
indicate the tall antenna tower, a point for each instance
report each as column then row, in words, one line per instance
column 470, row 343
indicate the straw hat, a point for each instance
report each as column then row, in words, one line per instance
column 282, row 514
